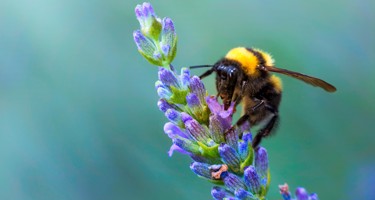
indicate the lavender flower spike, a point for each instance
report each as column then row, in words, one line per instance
column 199, row 126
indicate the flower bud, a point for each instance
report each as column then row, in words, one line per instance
column 233, row 182
column 150, row 24
column 197, row 131
column 197, row 87
column 201, row 169
column 252, row 179
column 168, row 78
column 185, row 78
column 193, row 101
column 218, row 192
column 172, row 130
column 217, row 128
column 185, row 117
column 243, row 194
column 168, row 41
column 164, row 93
column 147, row 48
column 302, row 194
column 244, row 145
column 186, row 145
column 174, row 148
column 230, row 157
column 231, row 138
column 174, row 116
column 164, row 105
column 261, row 161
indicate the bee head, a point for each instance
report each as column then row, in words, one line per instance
column 226, row 80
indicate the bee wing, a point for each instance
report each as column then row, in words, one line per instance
column 307, row 79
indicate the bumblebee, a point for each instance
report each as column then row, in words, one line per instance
column 243, row 75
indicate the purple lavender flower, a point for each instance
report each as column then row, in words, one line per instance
column 301, row 193
column 168, row 39
column 252, row 179
column 199, row 126
column 261, row 161
column 230, row 157
column 156, row 40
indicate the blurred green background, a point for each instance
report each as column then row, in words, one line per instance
column 78, row 114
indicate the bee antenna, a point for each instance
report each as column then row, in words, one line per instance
column 199, row 66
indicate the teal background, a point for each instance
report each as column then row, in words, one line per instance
column 78, row 114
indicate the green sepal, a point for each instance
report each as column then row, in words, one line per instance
column 150, row 59
column 209, row 152
column 264, row 189
column 173, row 51
column 201, row 114
column 153, row 31
column 217, row 182
column 249, row 159
column 178, row 96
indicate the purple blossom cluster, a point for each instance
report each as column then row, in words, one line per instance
column 199, row 126
column 301, row 193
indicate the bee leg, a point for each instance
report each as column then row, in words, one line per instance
column 244, row 117
column 266, row 130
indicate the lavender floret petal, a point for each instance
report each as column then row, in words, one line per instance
column 197, row 131
column 243, row 194
column 197, row 87
column 148, row 10
column 228, row 113
column 261, row 161
column 313, row 196
column 185, row 78
column 201, row 169
column 247, row 136
column 174, row 148
column 233, row 182
column 139, row 12
column 231, row 138
column 165, row 49
column 185, row 117
column 243, row 149
column 173, row 115
column 168, row 32
column 164, row 105
column 144, row 44
column 216, row 128
column 302, row 194
column 168, row 25
column 164, row 93
column 218, row 192
column 230, row 157
column 186, row 145
column 172, row 130
column 192, row 100
column 213, row 105
column 252, row 179
column 167, row 77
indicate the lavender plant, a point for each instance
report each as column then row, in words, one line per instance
column 198, row 124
